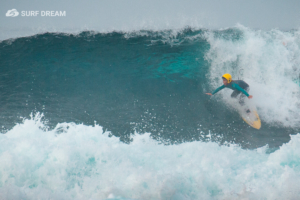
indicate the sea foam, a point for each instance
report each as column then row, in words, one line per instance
column 76, row 161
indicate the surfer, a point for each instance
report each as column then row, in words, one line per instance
column 239, row 86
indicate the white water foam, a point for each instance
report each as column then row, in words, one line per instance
column 75, row 161
column 269, row 61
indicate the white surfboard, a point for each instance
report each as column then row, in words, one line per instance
column 249, row 114
column 251, row 117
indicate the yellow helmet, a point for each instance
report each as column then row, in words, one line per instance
column 227, row 77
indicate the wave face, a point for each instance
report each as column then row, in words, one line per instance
column 147, row 90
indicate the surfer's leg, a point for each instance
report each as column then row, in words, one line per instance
column 242, row 100
column 242, row 97
column 235, row 93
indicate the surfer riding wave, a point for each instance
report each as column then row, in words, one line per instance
column 239, row 86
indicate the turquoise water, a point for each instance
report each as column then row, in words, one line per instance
column 125, row 115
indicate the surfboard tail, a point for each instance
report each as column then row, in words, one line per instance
column 252, row 119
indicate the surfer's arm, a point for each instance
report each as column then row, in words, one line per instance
column 218, row 89
column 237, row 87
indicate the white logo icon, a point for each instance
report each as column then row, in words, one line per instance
column 12, row 13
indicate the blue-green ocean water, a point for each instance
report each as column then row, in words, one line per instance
column 125, row 115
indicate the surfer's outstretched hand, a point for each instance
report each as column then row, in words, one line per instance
column 209, row 94
column 250, row 97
